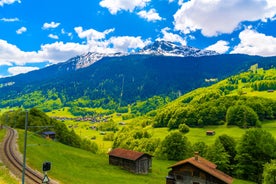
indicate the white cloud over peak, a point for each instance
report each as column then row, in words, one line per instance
column 21, row 30
column 254, row 43
column 220, row 46
column 167, row 36
column 50, row 25
column 9, row 19
column 2, row 2
column 54, row 53
column 21, row 69
column 115, row 6
column 150, row 15
column 127, row 43
column 214, row 17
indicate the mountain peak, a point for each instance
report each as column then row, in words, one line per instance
column 168, row 48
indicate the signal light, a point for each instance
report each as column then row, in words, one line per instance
column 46, row 166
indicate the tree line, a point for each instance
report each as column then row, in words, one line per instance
column 233, row 110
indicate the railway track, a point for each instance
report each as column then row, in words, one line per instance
column 15, row 163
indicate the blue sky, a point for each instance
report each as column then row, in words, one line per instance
column 37, row 33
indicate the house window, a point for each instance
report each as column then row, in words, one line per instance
column 196, row 174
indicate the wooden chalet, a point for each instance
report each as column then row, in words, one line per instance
column 133, row 161
column 196, row 170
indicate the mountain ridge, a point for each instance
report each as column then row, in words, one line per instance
column 158, row 48
column 123, row 80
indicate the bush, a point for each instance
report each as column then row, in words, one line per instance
column 183, row 128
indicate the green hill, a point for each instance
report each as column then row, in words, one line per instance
column 249, row 94
column 209, row 106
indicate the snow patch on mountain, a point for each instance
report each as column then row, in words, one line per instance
column 167, row 48
column 158, row 48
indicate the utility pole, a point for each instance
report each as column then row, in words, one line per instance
column 25, row 143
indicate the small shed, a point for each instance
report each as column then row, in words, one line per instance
column 49, row 134
column 210, row 132
column 132, row 161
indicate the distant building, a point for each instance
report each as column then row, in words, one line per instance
column 196, row 170
column 210, row 132
column 49, row 134
column 133, row 161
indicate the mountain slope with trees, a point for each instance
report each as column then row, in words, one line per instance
column 114, row 82
column 228, row 101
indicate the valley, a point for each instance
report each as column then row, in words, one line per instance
column 124, row 102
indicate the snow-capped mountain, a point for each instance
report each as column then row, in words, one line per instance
column 159, row 48
column 90, row 58
column 167, row 48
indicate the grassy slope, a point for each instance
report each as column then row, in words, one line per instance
column 72, row 165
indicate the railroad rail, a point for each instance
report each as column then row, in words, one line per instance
column 15, row 163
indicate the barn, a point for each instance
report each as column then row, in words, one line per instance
column 196, row 170
column 132, row 161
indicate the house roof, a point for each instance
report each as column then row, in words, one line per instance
column 206, row 166
column 126, row 154
column 48, row 133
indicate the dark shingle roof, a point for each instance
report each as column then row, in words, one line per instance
column 126, row 154
column 206, row 166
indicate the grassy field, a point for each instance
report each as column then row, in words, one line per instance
column 5, row 176
column 72, row 165
column 199, row 134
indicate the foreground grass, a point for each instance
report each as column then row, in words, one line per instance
column 71, row 165
column 5, row 176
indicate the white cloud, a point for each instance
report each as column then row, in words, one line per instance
column 115, row 6
column 151, row 15
column 50, row 25
column 54, row 53
column 254, row 43
column 21, row 69
column 92, row 34
column 214, row 17
column 9, row 19
column 2, row 2
column 21, row 30
column 167, row 36
column 5, row 63
column 220, row 46
column 127, row 43
column 59, row 51
column 53, row 36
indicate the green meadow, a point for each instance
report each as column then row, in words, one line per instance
column 71, row 165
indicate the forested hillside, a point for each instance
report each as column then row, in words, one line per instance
column 116, row 82
column 229, row 101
